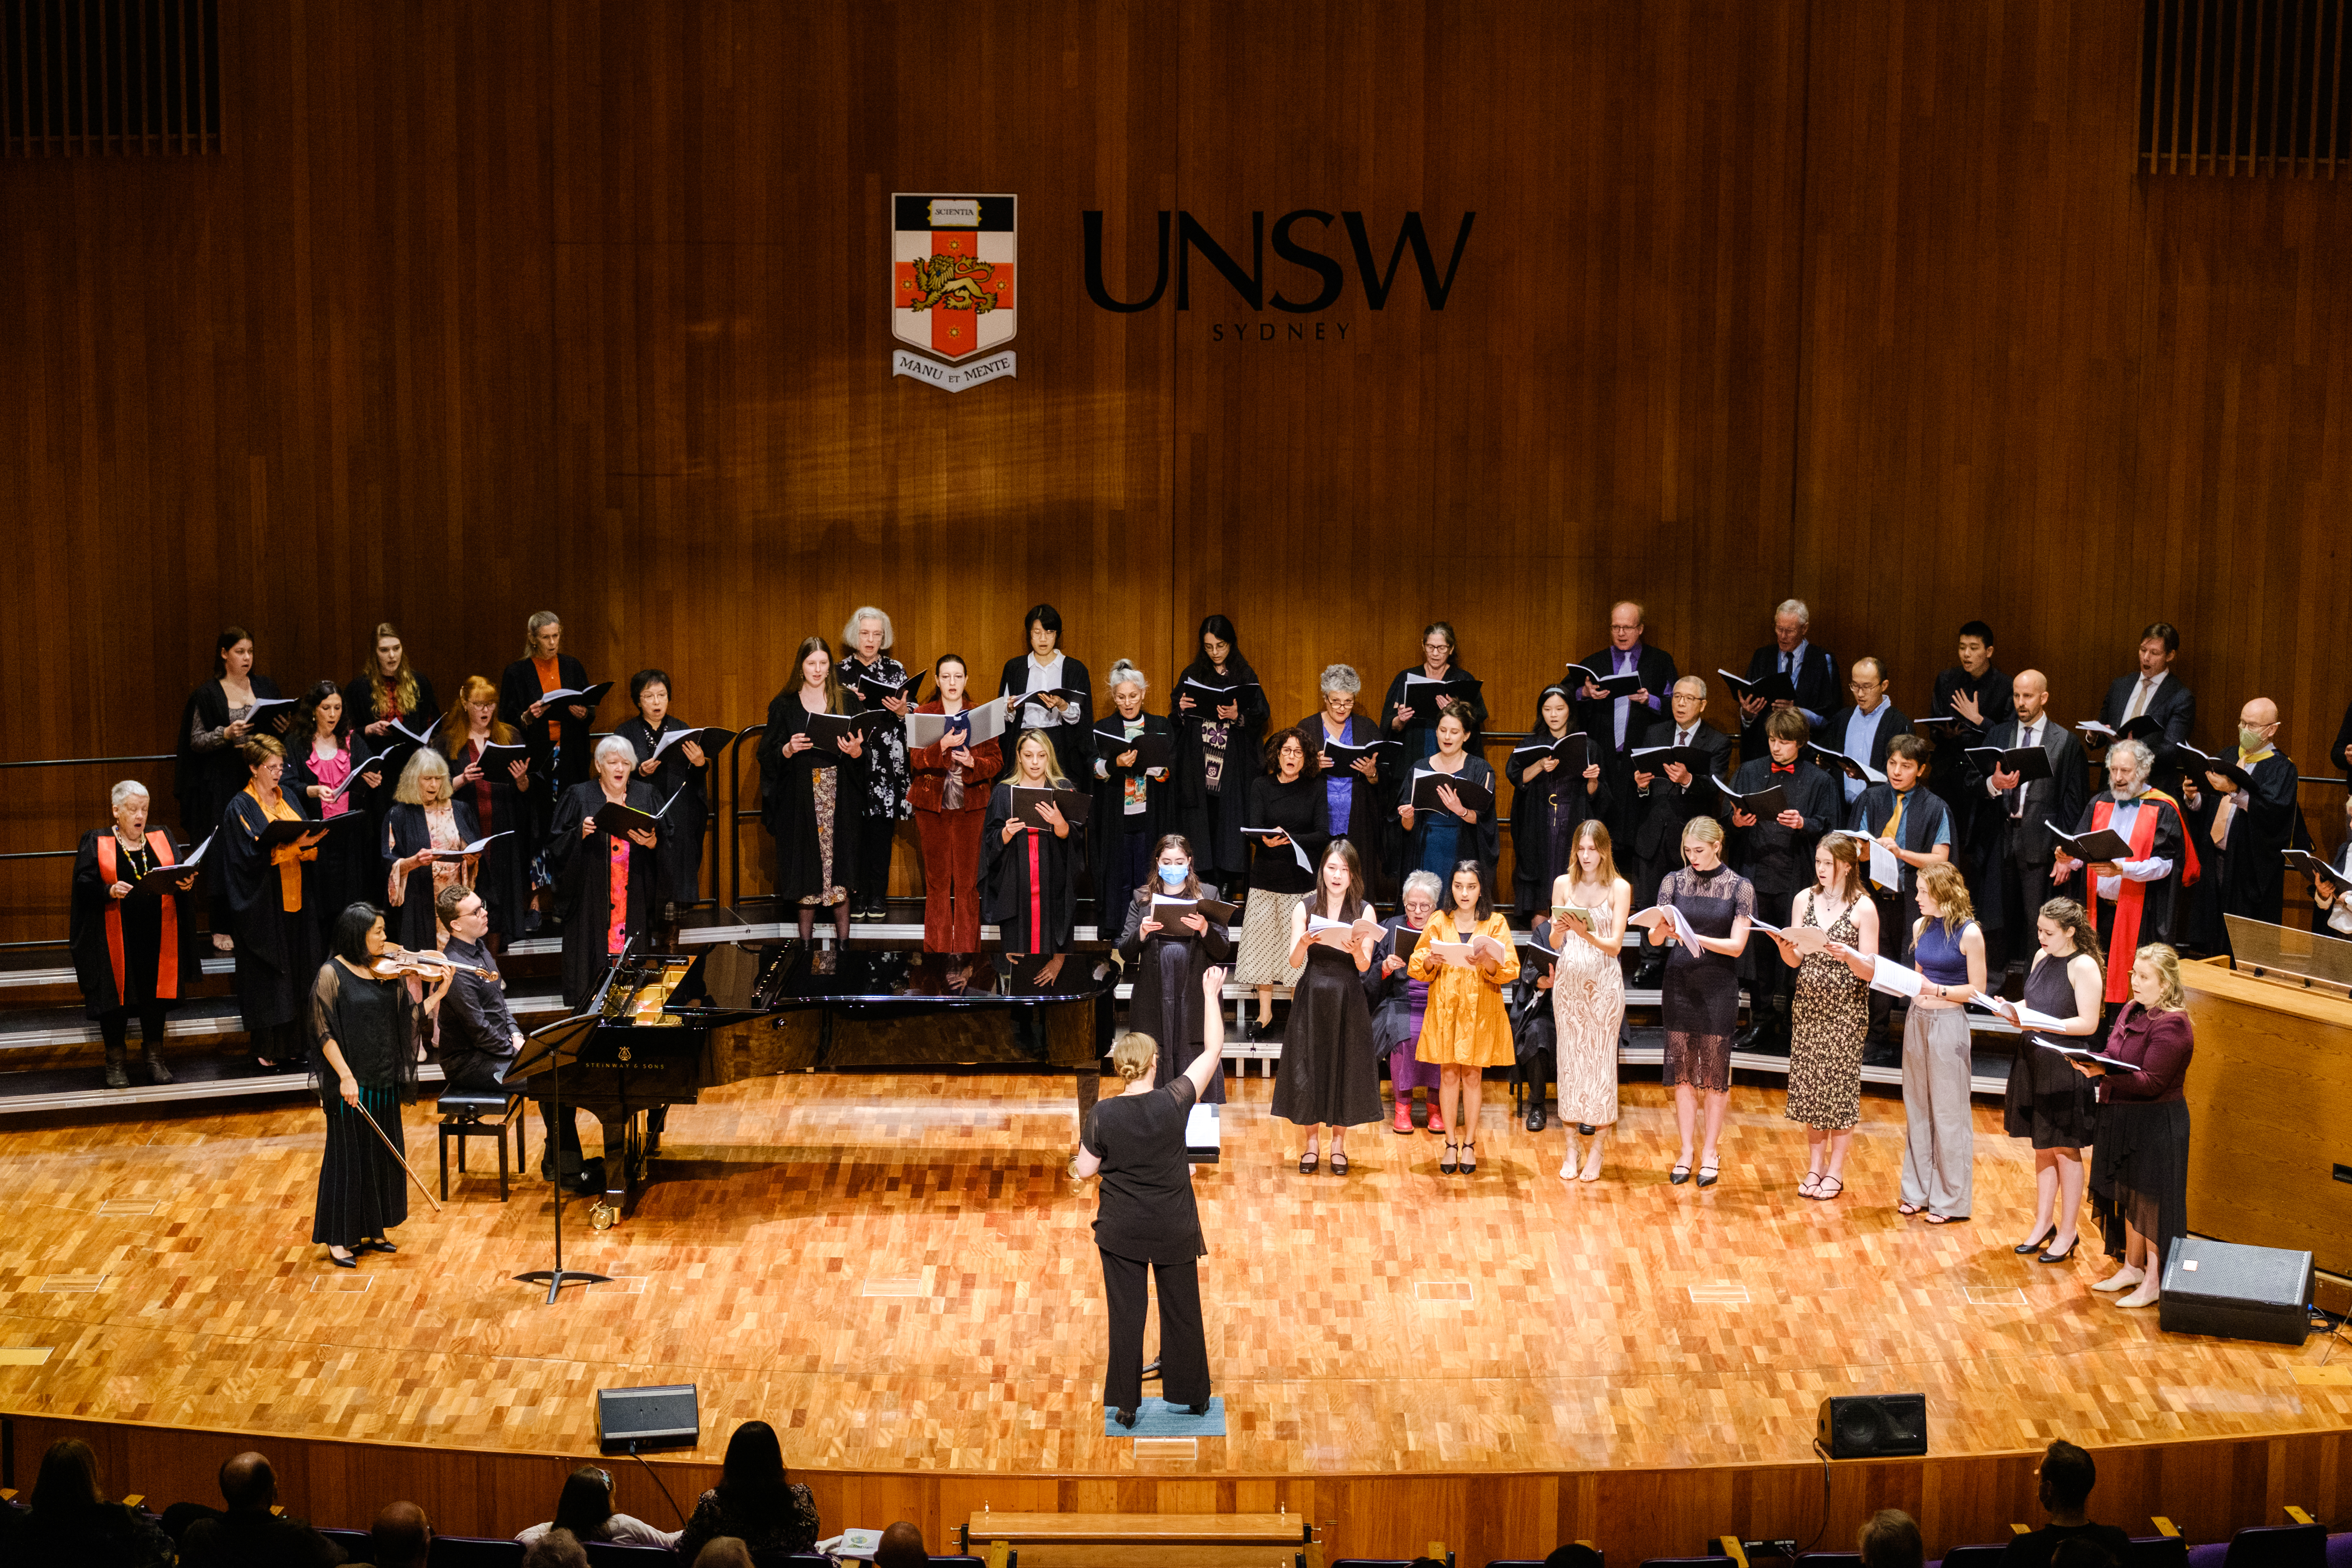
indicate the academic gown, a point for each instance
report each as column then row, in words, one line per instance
column 1480, row 841
column 1924, row 813
column 1599, row 720
column 1659, row 816
column 1108, row 818
column 1418, row 741
column 2152, row 914
column 410, row 924
column 204, row 782
column 1034, row 913
column 1778, row 861
column 1818, row 692
column 2252, row 877
column 349, row 868
column 359, row 705
column 1166, row 1002
column 583, row 883
column 688, row 814
column 788, row 803
column 1072, row 743
column 557, row 735
column 1975, row 830
column 1539, row 801
column 1366, row 797
column 141, row 931
column 503, row 875
column 1212, row 822
column 278, row 950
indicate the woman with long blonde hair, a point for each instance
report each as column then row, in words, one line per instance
column 1029, row 875
column 390, row 687
column 1586, row 923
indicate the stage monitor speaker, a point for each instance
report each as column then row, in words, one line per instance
column 2236, row 1292
column 1873, row 1426
column 630, row 1419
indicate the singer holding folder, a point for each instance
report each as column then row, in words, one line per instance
column 605, row 881
column 809, row 792
column 876, row 683
column 217, row 720
column 1351, row 788
column 949, row 791
column 1134, row 798
column 557, row 736
column 1467, row 1028
column 1047, row 690
column 367, row 1031
column 1699, row 1000
column 424, row 836
column 676, row 772
column 1218, row 714
column 1454, row 829
column 498, row 791
column 1166, row 948
column 1548, row 804
column 278, row 944
column 1031, row 870
column 318, row 765
column 135, row 949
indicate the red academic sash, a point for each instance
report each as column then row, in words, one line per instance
column 2123, row 939
column 167, row 956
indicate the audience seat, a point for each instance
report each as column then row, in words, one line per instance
column 2157, row 1552
column 475, row 1552
column 1973, row 1556
column 358, row 1545
column 614, row 1555
column 2266, row 1546
column 2339, row 1550
column 1829, row 1560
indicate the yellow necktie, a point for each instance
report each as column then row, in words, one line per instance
column 1892, row 832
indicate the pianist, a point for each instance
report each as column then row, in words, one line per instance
column 479, row 1033
column 1147, row 1222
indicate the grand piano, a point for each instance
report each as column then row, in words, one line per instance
column 671, row 1026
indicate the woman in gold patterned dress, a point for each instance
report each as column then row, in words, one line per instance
column 1465, row 1028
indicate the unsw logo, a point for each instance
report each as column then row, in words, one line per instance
column 951, row 287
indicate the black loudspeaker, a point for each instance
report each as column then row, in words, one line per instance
column 2236, row 1292
column 628, row 1419
column 1873, row 1426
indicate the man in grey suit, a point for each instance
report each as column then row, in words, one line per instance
column 2022, row 811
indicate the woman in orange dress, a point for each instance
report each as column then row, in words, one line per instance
column 1465, row 1028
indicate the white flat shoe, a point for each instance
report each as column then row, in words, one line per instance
column 2147, row 1295
column 2121, row 1279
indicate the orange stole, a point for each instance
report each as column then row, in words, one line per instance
column 286, row 857
column 2131, row 898
column 167, row 957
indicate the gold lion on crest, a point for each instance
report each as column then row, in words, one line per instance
column 952, row 283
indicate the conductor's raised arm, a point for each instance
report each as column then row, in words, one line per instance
column 1211, row 1058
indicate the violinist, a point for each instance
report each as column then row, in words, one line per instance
column 367, row 1026
column 133, row 951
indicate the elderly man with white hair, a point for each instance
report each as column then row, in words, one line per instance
column 1811, row 670
column 2135, row 897
column 134, row 948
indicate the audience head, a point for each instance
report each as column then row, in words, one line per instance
column 2156, row 979
column 901, row 1546
column 69, row 1479
column 753, row 1471
column 723, row 1551
column 2159, row 643
column 1786, row 730
column 1574, row 1554
column 586, row 1503
column 2067, row 1473
column 2031, row 692
column 402, row 1536
column 1790, row 622
column 247, row 1484
column 1891, row 1540
column 1865, row 681
column 556, row 1549
column 1627, row 622
column 2082, row 1552
column 1976, row 648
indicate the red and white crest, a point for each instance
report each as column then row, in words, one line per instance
column 952, row 284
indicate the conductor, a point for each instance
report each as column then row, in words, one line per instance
column 1135, row 1141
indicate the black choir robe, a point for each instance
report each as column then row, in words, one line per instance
column 1165, row 970
column 1072, row 742
column 557, row 732
column 2250, row 876
column 1213, row 822
column 583, row 883
column 410, row 923
column 1924, row 815
column 1108, row 818
column 2025, row 841
column 1975, row 831
column 278, row 950
column 503, row 875
column 1778, row 861
column 788, row 803
column 1817, row 692
column 1481, row 841
column 1367, row 797
column 142, row 918
column 1599, row 720
column 1032, row 915
column 1659, row 816
column 688, row 814
column 1537, row 798
column 359, row 705
column 204, row 782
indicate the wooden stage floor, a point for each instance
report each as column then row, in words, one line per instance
column 897, row 1271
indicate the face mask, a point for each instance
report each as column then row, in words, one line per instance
column 2250, row 739
column 1172, row 875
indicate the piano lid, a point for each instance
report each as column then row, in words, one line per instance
column 796, row 975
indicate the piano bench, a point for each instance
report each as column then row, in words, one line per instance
column 470, row 1113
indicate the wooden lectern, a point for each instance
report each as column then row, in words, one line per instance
column 2270, row 1100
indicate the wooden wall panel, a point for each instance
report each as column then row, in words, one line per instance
column 489, row 309
column 2208, row 1489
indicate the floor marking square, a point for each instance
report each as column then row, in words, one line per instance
column 38, row 1355
column 894, row 1288
column 1995, row 1296
column 81, row 1284
column 1444, row 1291
column 1726, row 1294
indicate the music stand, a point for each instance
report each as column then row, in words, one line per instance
column 555, row 1045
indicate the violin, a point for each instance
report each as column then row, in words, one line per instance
column 395, row 962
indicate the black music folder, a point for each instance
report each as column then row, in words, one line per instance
column 1072, row 804
column 1476, row 796
column 2028, row 763
column 1612, row 686
column 1151, row 750
column 1764, row 805
column 1775, row 686
column 2098, row 846
column 1573, row 752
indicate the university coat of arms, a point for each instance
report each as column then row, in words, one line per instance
column 953, row 302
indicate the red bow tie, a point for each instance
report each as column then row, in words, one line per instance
column 1784, row 767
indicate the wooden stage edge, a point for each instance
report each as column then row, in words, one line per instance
column 2208, row 1487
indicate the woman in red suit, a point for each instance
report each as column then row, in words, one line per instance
column 949, row 792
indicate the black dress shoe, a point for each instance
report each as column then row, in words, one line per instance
column 1200, row 1409
column 378, row 1244
column 1535, row 1118
column 1743, row 1037
column 1125, row 1415
column 2037, row 1243
column 115, row 1077
column 351, row 1262
column 1585, row 1127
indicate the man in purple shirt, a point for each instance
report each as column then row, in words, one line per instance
column 1620, row 724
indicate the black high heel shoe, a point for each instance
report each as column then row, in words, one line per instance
column 2037, row 1243
column 1447, row 1162
column 2062, row 1256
